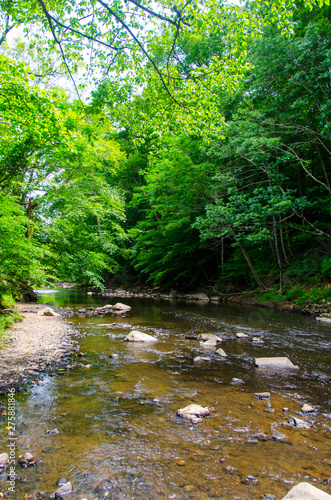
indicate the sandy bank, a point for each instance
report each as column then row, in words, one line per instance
column 32, row 346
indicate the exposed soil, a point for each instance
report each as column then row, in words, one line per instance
column 32, row 347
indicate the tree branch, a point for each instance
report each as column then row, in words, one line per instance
column 126, row 27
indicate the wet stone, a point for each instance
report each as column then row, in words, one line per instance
column 62, row 491
column 307, row 408
column 262, row 395
column 201, row 359
column 237, row 381
column 62, row 481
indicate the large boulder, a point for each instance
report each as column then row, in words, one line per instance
column 48, row 311
column 193, row 412
column 136, row 336
column 277, row 362
column 306, row 491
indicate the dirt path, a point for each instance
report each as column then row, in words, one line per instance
column 32, row 346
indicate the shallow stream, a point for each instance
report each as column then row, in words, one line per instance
column 115, row 441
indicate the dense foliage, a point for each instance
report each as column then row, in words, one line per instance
column 201, row 159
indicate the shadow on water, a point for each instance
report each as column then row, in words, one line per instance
column 119, row 436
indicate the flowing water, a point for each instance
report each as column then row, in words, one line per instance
column 115, row 441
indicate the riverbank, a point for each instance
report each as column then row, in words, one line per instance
column 32, row 346
column 271, row 300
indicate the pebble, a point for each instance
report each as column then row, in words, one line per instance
column 181, row 463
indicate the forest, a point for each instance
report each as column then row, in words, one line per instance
column 180, row 147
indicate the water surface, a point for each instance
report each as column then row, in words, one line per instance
column 115, row 441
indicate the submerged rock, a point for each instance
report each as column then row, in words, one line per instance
column 306, row 491
column 194, row 413
column 241, row 335
column 276, row 362
column 136, row 336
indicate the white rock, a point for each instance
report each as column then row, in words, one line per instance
column 277, row 362
column 241, row 335
column 237, row 381
column 261, row 395
column 307, row 408
column 323, row 319
column 136, row 336
column 64, row 490
column 47, row 311
column 209, row 343
column 298, row 422
column 193, row 412
column 201, row 359
column 121, row 307
column 222, row 353
column 209, row 336
column 4, row 459
column 306, row 491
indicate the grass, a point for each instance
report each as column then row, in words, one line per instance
column 300, row 295
column 6, row 320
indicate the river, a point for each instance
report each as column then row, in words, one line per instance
column 119, row 436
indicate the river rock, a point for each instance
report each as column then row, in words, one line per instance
column 121, row 307
column 201, row 359
column 136, row 336
column 209, row 336
column 298, row 422
column 63, row 490
column 47, row 311
column 113, row 355
column 4, row 459
column 261, row 395
column 62, row 481
column 193, row 412
column 27, row 460
column 241, row 335
column 306, row 491
column 237, row 381
column 277, row 362
column 323, row 319
column 221, row 353
column 307, row 408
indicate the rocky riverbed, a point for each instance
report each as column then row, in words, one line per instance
column 32, row 346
